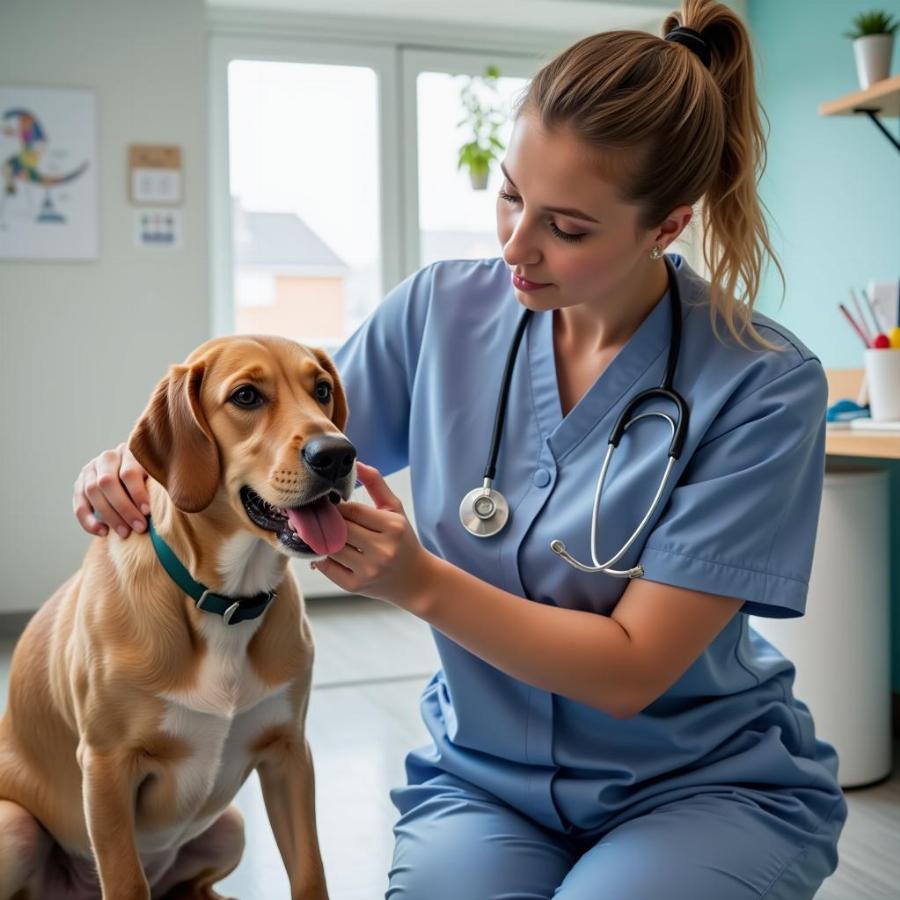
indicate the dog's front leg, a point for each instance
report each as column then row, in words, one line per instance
column 288, row 786
column 110, row 780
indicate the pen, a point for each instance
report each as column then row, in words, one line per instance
column 879, row 327
column 856, row 328
column 862, row 319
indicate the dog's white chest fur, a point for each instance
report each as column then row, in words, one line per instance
column 221, row 717
column 226, row 684
column 228, row 707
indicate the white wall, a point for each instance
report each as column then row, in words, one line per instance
column 83, row 344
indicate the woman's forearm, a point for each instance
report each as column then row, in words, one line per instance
column 584, row 656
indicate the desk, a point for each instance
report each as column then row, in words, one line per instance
column 867, row 444
column 864, row 444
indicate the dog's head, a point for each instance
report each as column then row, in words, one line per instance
column 259, row 418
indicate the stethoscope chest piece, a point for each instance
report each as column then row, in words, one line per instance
column 484, row 511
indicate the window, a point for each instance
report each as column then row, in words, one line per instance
column 304, row 194
column 456, row 220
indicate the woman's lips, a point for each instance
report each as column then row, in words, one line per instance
column 523, row 284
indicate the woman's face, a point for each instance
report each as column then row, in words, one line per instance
column 563, row 226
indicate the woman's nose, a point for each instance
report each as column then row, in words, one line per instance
column 519, row 249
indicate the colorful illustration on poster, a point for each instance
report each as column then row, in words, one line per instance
column 24, row 165
column 48, row 173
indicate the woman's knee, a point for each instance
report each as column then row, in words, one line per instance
column 703, row 846
column 450, row 847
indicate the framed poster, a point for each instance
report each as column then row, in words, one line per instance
column 48, row 173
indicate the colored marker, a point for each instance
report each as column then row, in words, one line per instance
column 853, row 325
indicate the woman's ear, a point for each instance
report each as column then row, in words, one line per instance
column 173, row 442
column 340, row 398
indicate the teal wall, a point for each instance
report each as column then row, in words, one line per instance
column 832, row 187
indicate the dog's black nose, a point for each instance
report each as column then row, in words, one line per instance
column 330, row 456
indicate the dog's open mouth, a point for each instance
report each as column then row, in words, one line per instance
column 315, row 527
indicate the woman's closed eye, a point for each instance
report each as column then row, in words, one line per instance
column 554, row 228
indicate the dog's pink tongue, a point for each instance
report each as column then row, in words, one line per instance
column 320, row 525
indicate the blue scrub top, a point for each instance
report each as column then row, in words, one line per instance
column 422, row 376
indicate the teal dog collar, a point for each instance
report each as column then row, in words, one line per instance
column 231, row 609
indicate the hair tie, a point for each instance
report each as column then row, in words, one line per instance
column 693, row 40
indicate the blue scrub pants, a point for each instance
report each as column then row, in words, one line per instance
column 456, row 842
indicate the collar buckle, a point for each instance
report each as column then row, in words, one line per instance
column 202, row 599
column 230, row 611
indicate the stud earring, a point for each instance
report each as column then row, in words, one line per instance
column 656, row 253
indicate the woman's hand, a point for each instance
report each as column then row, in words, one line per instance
column 382, row 557
column 113, row 485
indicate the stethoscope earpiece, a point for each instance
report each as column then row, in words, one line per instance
column 484, row 512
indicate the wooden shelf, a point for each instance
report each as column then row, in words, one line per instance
column 882, row 97
column 872, row 444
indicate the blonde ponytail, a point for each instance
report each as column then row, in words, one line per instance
column 684, row 133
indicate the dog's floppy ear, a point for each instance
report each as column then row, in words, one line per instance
column 173, row 442
column 340, row 398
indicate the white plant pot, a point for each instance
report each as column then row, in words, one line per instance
column 873, row 58
column 479, row 180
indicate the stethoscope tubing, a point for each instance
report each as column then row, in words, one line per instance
column 484, row 511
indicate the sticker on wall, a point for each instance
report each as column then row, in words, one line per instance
column 154, row 174
column 159, row 228
column 48, row 173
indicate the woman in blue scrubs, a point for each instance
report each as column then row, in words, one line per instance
column 595, row 737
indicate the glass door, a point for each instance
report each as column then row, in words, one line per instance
column 303, row 197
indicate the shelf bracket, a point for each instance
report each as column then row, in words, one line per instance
column 873, row 115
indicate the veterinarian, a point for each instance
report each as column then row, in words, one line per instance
column 597, row 735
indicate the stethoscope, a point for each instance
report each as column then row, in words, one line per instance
column 484, row 511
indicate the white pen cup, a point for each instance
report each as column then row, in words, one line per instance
column 883, row 382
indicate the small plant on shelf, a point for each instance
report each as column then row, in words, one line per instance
column 873, row 44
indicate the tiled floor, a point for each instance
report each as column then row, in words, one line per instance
column 371, row 664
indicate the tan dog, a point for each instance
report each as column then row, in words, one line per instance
column 134, row 717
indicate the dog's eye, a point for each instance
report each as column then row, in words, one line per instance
column 323, row 392
column 247, row 397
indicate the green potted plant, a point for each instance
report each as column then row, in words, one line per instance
column 484, row 117
column 873, row 43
